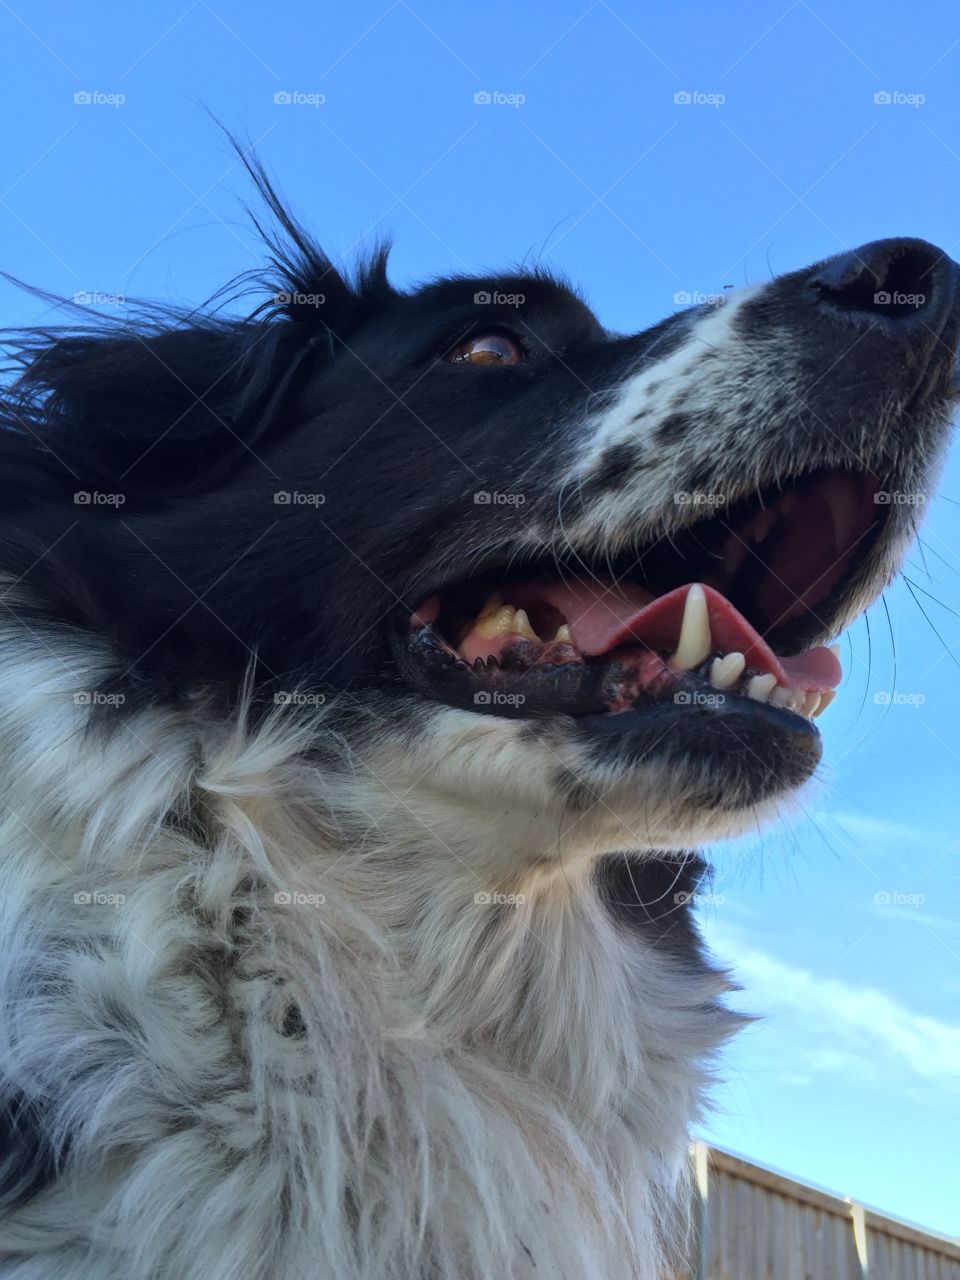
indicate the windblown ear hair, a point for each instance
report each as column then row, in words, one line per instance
column 169, row 403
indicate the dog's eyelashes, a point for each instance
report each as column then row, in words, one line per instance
column 487, row 349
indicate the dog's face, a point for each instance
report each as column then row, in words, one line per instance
column 577, row 581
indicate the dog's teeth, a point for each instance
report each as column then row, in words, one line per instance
column 694, row 643
column 760, row 686
column 811, row 704
column 501, row 622
column 726, row 671
column 826, row 698
column 835, row 650
column 563, row 635
column 522, row 627
column 782, row 697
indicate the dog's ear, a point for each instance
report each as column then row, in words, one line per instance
column 168, row 404
column 166, row 413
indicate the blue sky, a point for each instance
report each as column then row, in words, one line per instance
column 852, row 1079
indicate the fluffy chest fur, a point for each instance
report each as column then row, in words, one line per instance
column 273, row 1042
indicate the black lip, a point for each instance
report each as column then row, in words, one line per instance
column 734, row 709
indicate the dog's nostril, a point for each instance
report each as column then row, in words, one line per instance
column 892, row 279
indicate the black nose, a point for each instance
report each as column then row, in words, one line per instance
column 907, row 282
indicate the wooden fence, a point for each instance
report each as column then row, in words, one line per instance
column 757, row 1225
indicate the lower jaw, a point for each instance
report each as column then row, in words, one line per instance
column 613, row 692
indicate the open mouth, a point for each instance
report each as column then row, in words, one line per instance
column 708, row 616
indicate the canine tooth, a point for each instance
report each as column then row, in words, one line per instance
column 826, row 698
column 811, row 703
column 497, row 624
column 835, row 650
column 563, row 635
column 694, row 643
column 760, row 686
column 726, row 671
column 782, row 697
column 522, row 627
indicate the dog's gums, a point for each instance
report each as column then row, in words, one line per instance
column 568, row 643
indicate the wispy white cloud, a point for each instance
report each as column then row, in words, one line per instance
column 851, row 1030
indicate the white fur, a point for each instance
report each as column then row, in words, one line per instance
column 482, row 1091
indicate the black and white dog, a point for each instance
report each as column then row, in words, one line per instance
column 369, row 669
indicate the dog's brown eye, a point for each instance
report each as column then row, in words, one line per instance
column 487, row 348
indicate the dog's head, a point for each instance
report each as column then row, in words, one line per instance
column 573, row 582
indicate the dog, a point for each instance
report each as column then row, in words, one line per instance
column 371, row 670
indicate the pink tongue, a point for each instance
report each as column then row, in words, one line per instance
column 601, row 618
